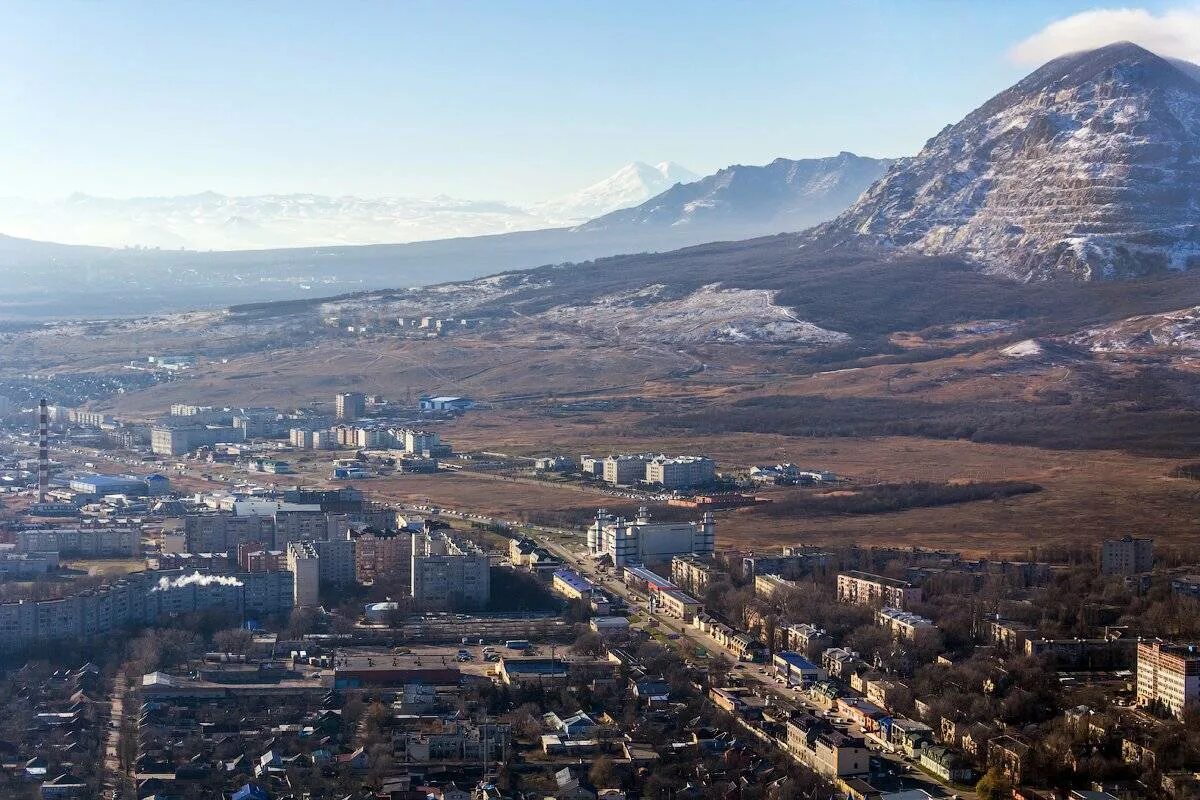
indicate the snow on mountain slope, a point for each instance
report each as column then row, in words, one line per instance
column 632, row 184
column 1171, row 330
column 785, row 195
column 1087, row 168
column 712, row 313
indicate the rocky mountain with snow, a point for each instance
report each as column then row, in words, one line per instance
column 1088, row 168
column 785, row 195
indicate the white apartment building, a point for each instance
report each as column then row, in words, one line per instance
column 641, row 541
column 680, row 472
column 1168, row 674
column 305, row 566
column 625, row 470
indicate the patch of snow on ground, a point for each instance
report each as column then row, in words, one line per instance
column 709, row 314
column 1023, row 349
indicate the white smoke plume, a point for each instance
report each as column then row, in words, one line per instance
column 196, row 579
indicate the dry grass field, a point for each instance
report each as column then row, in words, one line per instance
column 532, row 379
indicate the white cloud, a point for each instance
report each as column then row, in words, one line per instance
column 1174, row 33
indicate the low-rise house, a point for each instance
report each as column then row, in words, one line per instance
column 909, row 735
column 946, row 764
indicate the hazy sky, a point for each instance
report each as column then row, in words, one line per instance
column 513, row 100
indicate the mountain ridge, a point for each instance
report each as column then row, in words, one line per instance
column 1086, row 168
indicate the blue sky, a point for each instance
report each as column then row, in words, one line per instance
column 514, row 100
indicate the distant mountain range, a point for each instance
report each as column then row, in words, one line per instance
column 211, row 221
column 1088, row 168
column 742, row 201
column 738, row 202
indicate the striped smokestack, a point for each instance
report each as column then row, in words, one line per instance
column 43, row 451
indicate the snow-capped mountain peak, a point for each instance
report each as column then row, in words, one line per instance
column 634, row 183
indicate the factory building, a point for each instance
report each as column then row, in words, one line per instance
column 641, row 541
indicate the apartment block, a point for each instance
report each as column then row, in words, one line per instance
column 337, row 562
column 222, row 533
column 809, row 640
column 382, row 554
column 625, row 470
column 902, row 624
column 350, row 405
column 772, row 587
column 680, row 472
column 449, row 573
column 304, row 563
column 1168, row 674
column 86, row 542
column 863, row 588
column 694, row 574
column 1126, row 556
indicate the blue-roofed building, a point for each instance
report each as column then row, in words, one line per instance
column 94, row 485
column 796, row 670
column 157, row 485
column 250, row 792
column 572, row 585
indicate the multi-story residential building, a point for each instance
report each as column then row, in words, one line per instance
column 305, row 525
column 1008, row 634
column 138, row 599
column 222, row 533
column 173, row 438
column 678, row 604
column 99, row 542
column 828, row 751
column 772, row 587
column 680, row 472
column 423, row 443
column 1126, row 556
column 449, row 573
column 694, row 574
column 640, row 540
column 625, row 470
column 902, row 624
column 1168, row 674
column 863, row 588
column 382, row 554
column 337, row 562
column 350, row 405
column 27, row 564
column 304, row 563
column 806, row 639
column 789, row 565
column 451, row 741
column 305, row 439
